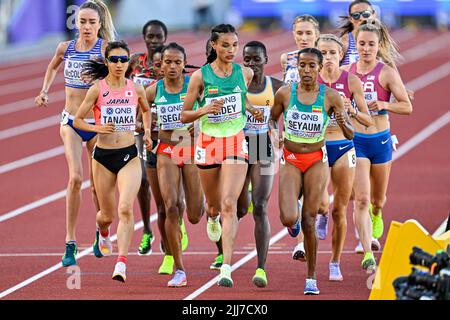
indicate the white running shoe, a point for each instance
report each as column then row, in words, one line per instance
column 376, row 246
column 120, row 272
column 214, row 229
column 105, row 245
column 359, row 248
column 299, row 252
column 335, row 272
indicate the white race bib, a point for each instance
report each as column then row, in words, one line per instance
column 304, row 125
column 72, row 73
column 123, row 117
column 65, row 118
column 200, row 155
column 231, row 110
column 145, row 82
column 170, row 116
column 351, row 158
column 256, row 126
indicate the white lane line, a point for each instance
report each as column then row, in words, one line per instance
column 16, row 106
column 422, row 135
column 430, row 77
column 235, row 266
column 32, row 159
column 58, row 266
column 39, row 203
column 185, row 253
column 425, row 49
column 30, row 127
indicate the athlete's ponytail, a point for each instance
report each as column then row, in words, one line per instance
column 215, row 34
column 97, row 69
column 388, row 49
column 107, row 31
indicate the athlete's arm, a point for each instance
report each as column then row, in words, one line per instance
column 52, row 69
column 151, row 96
column 146, row 115
column 86, row 106
column 281, row 96
column 334, row 100
column 276, row 84
column 361, row 114
column 283, row 61
column 344, row 41
column 390, row 79
column 195, row 88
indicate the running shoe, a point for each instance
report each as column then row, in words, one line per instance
column 376, row 246
column 294, row 231
column 217, row 262
column 335, row 272
column 322, row 226
column 377, row 224
column 369, row 263
column 225, row 277
column 179, row 280
column 145, row 248
column 359, row 248
column 184, row 237
column 311, row 287
column 214, row 229
column 102, row 246
column 260, row 278
column 68, row 258
column 167, row 265
column 119, row 273
column 299, row 252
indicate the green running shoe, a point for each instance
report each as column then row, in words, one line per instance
column 184, row 238
column 260, row 278
column 167, row 265
column 68, row 258
column 145, row 248
column 225, row 277
column 217, row 264
column 97, row 252
column 369, row 263
column 377, row 224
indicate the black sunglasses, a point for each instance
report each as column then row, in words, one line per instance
column 365, row 14
column 117, row 59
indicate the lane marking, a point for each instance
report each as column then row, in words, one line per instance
column 30, row 127
column 32, row 159
column 39, row 203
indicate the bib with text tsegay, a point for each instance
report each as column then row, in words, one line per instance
column 306, row 123
column 233, row 89
column 169, row 107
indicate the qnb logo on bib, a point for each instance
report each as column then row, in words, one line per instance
column 170, row 116
column 231, row 109
column 72, row 72
column 145, row 82
column 255, row 125
column 123, row 118
column 304, row 125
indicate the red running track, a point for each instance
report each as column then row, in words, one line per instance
column 32, row 242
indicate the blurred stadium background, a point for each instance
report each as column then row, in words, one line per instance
column 34, row 26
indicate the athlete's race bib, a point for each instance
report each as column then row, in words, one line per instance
column 124, row 117
column 72, row 73
column 200, row 155
column 65, row 118
column 255, row 126
column 145, row 82
column 170, row 116
column 231, row 110
column 304, row 125
column 371, row 96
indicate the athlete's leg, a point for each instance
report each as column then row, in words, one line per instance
column 194, row 193
column 342, row 177
column 105, row 184
column 314, row 184
column 361, row 189
column 262, row 176
column 144, row 195
column 73, row 147
column 379, row 180
column 128, row 182
column 290, row 183
column 90, row 145
column 244, row 200
column 169, row 172
column 232, row 178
